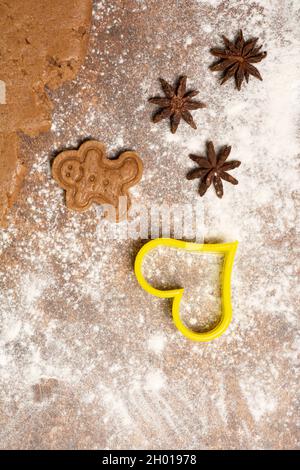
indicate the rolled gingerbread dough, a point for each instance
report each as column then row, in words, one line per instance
column 41, row 43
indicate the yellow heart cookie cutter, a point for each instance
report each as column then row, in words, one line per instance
column 228, row 249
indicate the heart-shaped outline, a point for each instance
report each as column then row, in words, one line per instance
column 228, row 249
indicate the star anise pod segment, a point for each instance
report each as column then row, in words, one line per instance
column 237, row 59
column 176, row 104
column 213, row 169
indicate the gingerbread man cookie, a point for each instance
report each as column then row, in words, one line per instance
column 89, row 176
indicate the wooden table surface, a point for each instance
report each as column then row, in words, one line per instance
column 88, row 359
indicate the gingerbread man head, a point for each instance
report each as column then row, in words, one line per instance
column 89, row 176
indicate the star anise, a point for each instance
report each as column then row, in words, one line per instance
column 237, row 59
column 213, row 169
column 177, row 104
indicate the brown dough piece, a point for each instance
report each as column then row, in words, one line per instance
column 12, row 172
column 89, row 176
column 42, row 43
